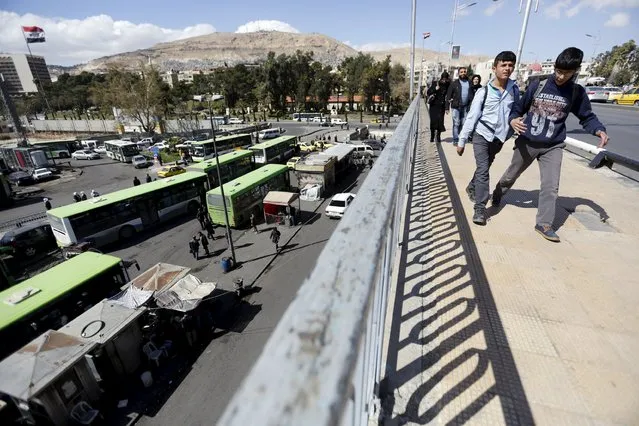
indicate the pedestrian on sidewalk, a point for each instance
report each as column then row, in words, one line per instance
column 476, row 80
column 136, row 181
column 76, row 197
column 487, row 123
column 275, row 238
column 148, row 178
column 205, row 244
column 459, row 97
column 194, row 247
column 542, row 133
column 201, row 216
column 437, row 106
column 94, row 193
column 47, row 203
column 210, row 231
column 253, row 225
column 83, row 196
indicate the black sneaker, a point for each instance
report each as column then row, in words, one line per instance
column 548, row 233
column 497, row 194
column 479, row 217
column 471, row 193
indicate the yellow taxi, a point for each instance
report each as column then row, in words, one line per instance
column 318, row 144
column 292, row 162
column 169, row 171
column 307, row 147
column 629, row 97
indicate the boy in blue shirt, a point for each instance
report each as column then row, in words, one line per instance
column 487, row 122
column 542, row 133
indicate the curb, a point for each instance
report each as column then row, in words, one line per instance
column 617, row 106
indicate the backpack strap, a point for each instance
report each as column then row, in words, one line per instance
column 481, row 111
column 540, row 87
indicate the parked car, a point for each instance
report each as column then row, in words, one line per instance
column 375, row 144
column 85, row 154
column 29, row 240
column 236, row 120
column 338, row 205
column 629, row 97
column 337, row 121
column 612, row 91
column 169, row 171
column 140, row 161
column 596, row 94
column 42, row 174
column 100, row 149
column 306, row 147
column 21, row 178
column 292, row 162
column 160, row 145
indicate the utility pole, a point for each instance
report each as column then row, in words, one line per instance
column 219, row 179
column 522, row 36
column 412, row 49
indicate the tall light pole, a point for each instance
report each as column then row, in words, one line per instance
column 412, row 49
column 219, row 179
column 524, row 27
column 452, row 34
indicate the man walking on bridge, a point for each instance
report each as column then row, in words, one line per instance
column 458, row 98
column 542, row 133
column 488, row 120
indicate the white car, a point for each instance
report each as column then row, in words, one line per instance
column 100, row 149
column 85, row 154
column 160, row 145
column 235, row 120
column 139, row 161
column 42, row 174
column 338, row 205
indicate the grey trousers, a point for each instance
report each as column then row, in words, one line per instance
column 485, row 153
column 549, row 158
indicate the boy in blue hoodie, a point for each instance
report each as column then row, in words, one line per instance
column 542, row 133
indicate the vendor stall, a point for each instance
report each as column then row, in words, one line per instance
column 280, row 208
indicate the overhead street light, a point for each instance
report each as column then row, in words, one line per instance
column 457, row 8
column 596, row 39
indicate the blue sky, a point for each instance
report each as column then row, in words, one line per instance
column 79, row 30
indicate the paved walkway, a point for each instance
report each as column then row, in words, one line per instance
column 495, row 325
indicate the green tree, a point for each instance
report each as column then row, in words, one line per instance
column 322, row 86
column 620, row 65
column 352, row 70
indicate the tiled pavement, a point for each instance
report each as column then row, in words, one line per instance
column 494, row 325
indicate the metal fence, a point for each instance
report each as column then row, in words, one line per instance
column 322, row 365
column 18, row 223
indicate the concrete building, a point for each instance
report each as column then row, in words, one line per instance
column 170, row 78
column 21, row 72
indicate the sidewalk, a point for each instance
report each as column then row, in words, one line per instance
column 495, row 325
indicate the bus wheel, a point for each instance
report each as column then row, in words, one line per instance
column 127, row 232
column 193, row 207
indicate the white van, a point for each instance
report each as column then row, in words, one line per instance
column 270, row 133
column 89, row 144
column 363, row 148
column 337, row 121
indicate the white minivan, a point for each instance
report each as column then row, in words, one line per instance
column 270, row 133
column 363, row 148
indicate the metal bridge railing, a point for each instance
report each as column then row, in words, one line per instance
column 322, row 364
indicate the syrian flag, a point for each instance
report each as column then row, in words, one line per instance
column 33, row 34
column 426, row 35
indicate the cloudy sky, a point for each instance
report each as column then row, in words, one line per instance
column 80, row 30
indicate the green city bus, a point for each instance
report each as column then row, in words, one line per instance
column 203, row 150
column 245, row 194
column 120, row 214
column 232, row 165
column 56, row 296
column 277, row 150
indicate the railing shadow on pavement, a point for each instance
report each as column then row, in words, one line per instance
column 456, row 308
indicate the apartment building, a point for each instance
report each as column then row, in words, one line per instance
column 23, row 73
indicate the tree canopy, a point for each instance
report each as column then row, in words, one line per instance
column 620, row 65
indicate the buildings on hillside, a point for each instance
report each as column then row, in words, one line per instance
column 23, row 73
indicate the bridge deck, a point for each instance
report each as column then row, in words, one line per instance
column 498, row 326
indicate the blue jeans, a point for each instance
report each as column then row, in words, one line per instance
column 459, row 115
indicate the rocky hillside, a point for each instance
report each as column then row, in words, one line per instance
column 219, row 49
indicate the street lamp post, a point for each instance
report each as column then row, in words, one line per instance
column 452, row 34
column 219, row 179
column 595, row 45
column 524, row 27
column 412, row 49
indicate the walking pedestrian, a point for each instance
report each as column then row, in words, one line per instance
column 437, row 106
column 160, row 159
column 253, row 225
column 488, row 121
column 194, row 247
column 83, row 196
column 201, row 217
column 94, row 193
column 76, row 197
column 275, row 238
column 542, row 134
column 136, row 181
column 476, row 80
column 210, row 231
column 148, row 178
column 458, row 98
column 205, row 243
column 47, row 203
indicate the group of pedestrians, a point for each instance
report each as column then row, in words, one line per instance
column 489, row 116
column 81, row 196
column 137, row 182
column 200, row 239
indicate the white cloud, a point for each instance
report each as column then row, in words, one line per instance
column 371, row 47
column 573, row 11
column 493, row 8
column 600, row 4
column 255, row 26
column 554, row 11
column 618, row 20
column 72, row 41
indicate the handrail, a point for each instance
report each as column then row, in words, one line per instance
column 322, row 364
column 603, row 157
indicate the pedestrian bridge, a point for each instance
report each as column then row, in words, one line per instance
column 414, row 315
